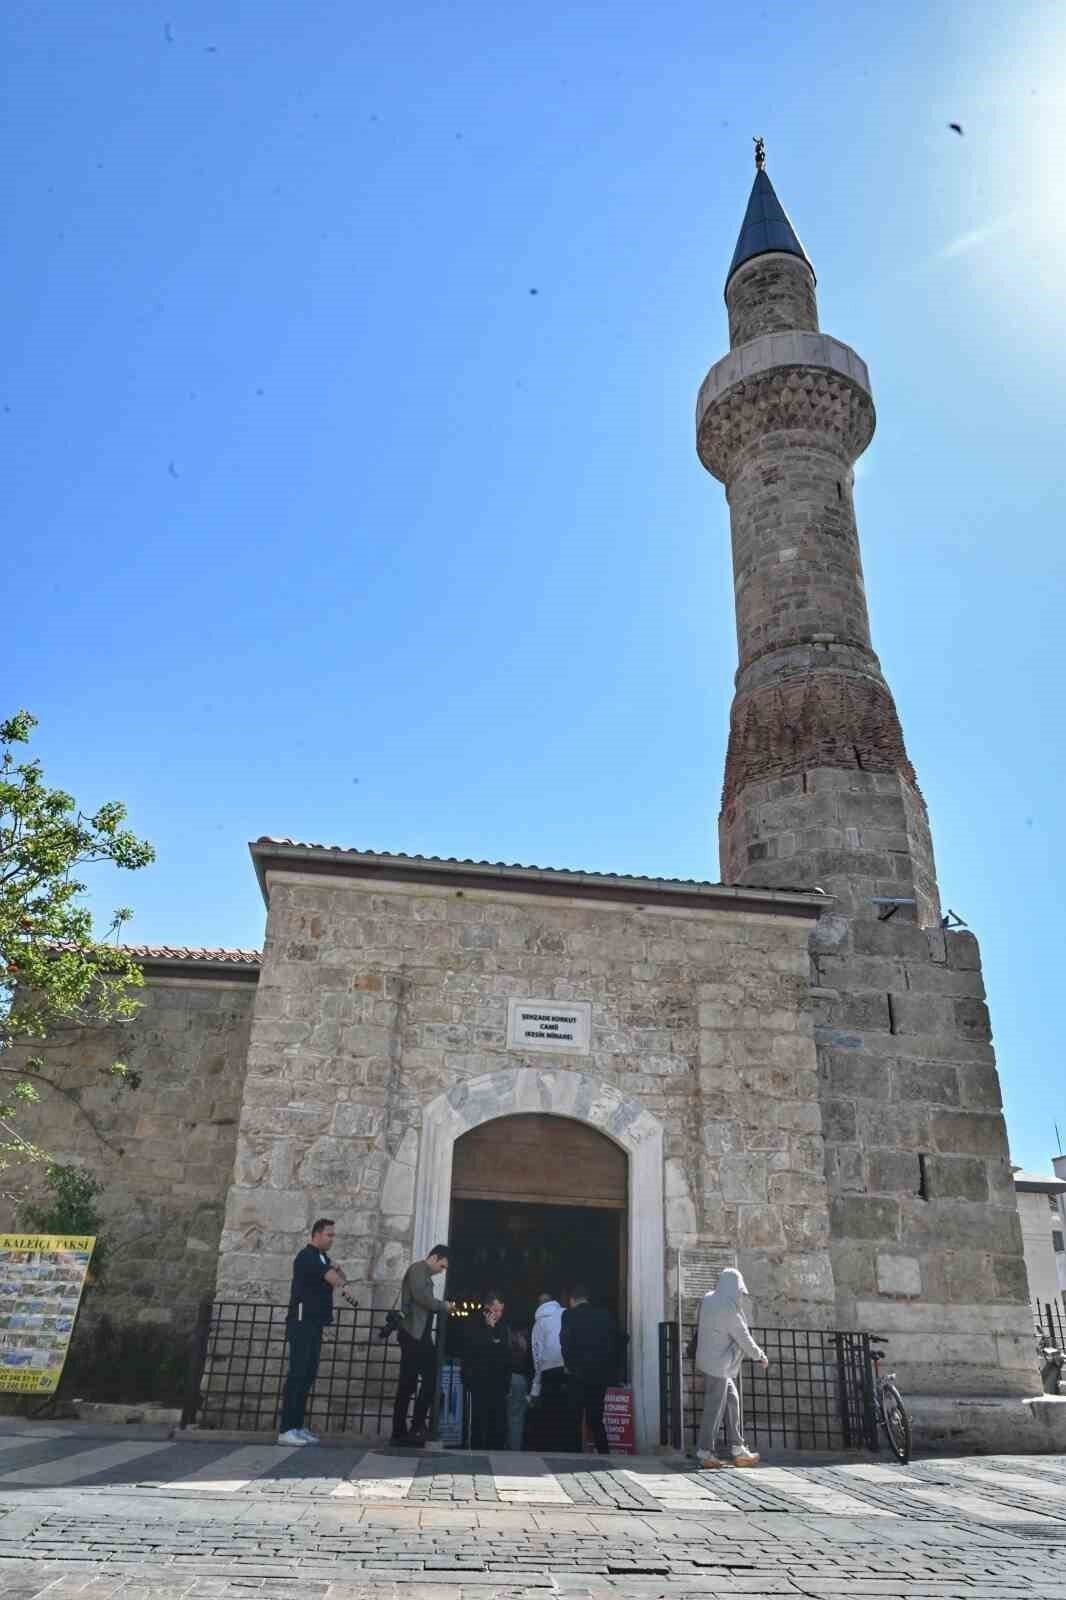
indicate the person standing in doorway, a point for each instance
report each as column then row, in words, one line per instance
column 588, row 1338
column 314, row 1278
column 723, row 1342
column 487, row 1374
column 550, row 1428
column 418, row 1355
column 518, row 1392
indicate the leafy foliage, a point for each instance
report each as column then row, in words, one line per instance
column 55, row 974
column 70, row 1207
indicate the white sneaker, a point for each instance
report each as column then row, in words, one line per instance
column 293, row 1436
column 309, row 1437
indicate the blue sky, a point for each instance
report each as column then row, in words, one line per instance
column 324, row 524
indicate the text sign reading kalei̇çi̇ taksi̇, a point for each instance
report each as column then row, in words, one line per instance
column 549, row 1025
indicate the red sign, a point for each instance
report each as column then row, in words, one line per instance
column 617, row 1423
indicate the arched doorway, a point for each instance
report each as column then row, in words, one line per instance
column 539, row 1203
column 582, row 1098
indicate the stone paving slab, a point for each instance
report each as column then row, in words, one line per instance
column 348, row 1524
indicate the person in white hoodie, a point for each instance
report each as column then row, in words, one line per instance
column 723, row 1341
column 549, row 1388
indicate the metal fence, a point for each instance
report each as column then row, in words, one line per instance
column 817, row 1394
column 1049, row 1322
column 240, row 1360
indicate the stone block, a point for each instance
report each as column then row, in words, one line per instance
column 352, row 1120
column 759, row 1227
column 897, row 1125
column 1010, row 1279
column 972, row 1019
column 969, row 1133
column 957, row 1178
column 899, row 1275
column 797, row 1189
column 743, row 1179
column 979, row 1087
column 859, row 1217
column 959, row 1225
column 932, row 1081
column 963, row 951
column 892, row 1172
column 838, row 1121
column 861, row 1012
column 845, row 1169
column 871, row 937
column 272, row 1210
column 922, row 1013
column 852, row 1075
column 854, row 1269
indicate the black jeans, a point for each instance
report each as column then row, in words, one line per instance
column 418, row 1369
column 550, row 1424
column 586, row 1403
column 488, row 1417
column 305, row 1345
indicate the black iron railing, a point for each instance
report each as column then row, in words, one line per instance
column 1049, row 1321
column 241, row 1358
column 816, row 1395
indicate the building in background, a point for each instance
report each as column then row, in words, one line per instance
column 1040, row 1209
column 1059, row 1234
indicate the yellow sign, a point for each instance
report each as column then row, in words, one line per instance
column 42, row 1276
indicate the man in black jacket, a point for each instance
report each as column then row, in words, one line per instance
column 487, row 1374
column 589, row 1342
column 314, row 1278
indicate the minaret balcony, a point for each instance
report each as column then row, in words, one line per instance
column 784, row 381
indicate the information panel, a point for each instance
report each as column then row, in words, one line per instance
column 42, row 1276
column 549, row 1025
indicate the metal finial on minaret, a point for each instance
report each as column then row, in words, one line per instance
column 760, row 153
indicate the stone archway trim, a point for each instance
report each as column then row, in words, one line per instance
column 562, row 1093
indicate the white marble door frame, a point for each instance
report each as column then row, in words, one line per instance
column 557, row 1092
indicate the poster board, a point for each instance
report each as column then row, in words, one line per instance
column 617, row 1423
column 42, row 1276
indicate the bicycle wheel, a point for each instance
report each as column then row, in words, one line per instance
column 896, row 1422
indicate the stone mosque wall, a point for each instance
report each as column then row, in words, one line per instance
column 375, row 1000
column 164, row 1152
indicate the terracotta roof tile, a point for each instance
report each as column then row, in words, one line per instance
column 181, row 952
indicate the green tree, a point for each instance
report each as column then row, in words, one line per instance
column 69, row 1206
column 56, row 975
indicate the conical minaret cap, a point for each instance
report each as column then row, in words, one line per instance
column 765, row 227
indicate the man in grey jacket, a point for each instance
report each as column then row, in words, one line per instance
column 418, row 1356
column 723, row 1340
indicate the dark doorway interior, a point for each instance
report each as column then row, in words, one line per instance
column 521, row 1249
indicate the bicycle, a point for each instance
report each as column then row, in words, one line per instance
column 891, row 1412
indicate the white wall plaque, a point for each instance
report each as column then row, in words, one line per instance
column 549, row 1025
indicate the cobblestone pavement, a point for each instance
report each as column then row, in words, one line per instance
column 142, row 1519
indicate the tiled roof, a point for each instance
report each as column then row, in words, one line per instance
column 263, row 846
column 470, row 861
column 182, row 952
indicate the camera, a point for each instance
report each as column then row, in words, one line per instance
column 393, row 1324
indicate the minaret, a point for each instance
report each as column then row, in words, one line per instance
column 818, row 787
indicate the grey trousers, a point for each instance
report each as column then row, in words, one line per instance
column 720, row 1398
